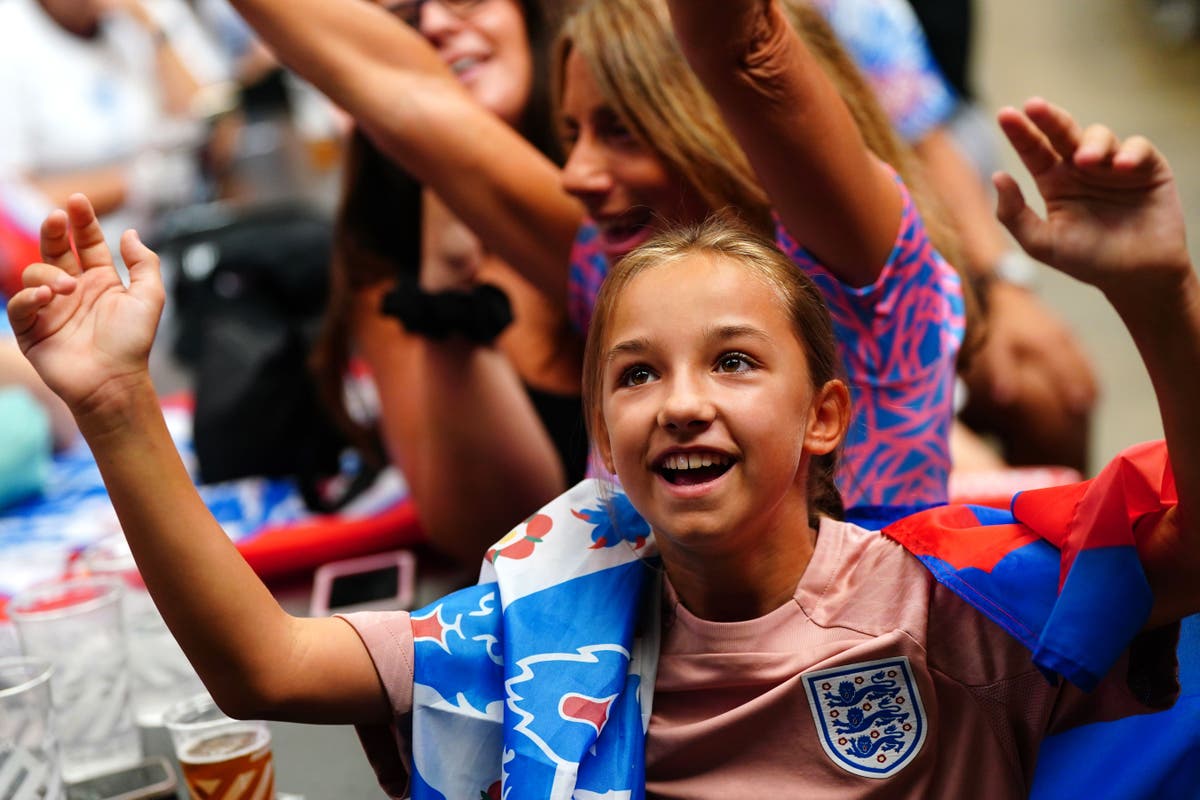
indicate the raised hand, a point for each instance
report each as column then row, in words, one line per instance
column 86, row 333
column 1113, row 216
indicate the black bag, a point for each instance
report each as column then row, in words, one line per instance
column 251, row 289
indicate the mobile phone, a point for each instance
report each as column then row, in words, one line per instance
column 372, row 583
column 149, row 778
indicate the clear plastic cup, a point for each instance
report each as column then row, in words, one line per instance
column 161, row 674
column 29, row 764
column 76, row 624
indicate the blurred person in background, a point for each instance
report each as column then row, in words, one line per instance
column 1030, row 385
column 104, row 97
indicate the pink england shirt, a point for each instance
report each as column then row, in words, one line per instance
column 731, row 714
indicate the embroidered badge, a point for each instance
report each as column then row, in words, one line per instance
column 869, row 715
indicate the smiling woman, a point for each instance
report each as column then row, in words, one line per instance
column 462, row 81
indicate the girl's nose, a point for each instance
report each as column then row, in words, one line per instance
column 686, row 408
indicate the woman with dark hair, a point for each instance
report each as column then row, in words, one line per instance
column 468, row 396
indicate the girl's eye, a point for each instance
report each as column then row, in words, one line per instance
column 636, row 375
column 734, row 362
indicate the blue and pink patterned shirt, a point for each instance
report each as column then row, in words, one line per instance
column 899, row 339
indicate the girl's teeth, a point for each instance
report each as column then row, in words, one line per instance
column 682, row 461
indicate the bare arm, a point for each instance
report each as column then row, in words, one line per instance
column 89, row 337
column 398, row 90
column 16, row 370
column 486, row 427
column 108, row 185
column 1114, row 220
column 800, row 137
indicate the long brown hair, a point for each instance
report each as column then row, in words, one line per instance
column 641, row 72
column 377, row 230
column 725, row 237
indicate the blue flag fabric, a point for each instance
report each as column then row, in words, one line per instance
column 530, row 684
column 1078, row 762
column 1060, row 560
column 537, row 683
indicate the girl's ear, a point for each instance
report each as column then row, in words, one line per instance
column 828, row 419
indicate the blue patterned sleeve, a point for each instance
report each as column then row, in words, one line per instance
column 887, row 43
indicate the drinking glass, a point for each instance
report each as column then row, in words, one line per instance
column 29, row 768
column 220, row 758
column 159, row 671
column 76, row 625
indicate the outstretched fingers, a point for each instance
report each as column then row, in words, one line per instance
column 1035, row 150
column 145, row 274
column 43, row 282
column 85, row 230
column 1015, row 214
column 1057, row 126
column 55, row 243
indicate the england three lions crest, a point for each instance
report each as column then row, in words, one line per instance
column 869, row 715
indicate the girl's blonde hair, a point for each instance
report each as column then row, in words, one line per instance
column 723, row 237
column 631, row 51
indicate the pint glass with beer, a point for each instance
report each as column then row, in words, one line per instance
column 220, row 758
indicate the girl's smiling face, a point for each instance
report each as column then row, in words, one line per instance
column 709, row 412
column 627, row 188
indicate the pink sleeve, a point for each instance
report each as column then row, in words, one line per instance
column 388, row 637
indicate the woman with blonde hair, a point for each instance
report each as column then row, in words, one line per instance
column 648, row 148
column 787, row 136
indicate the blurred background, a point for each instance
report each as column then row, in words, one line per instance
column 1135, row 66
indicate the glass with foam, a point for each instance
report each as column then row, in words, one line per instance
column 220, row 758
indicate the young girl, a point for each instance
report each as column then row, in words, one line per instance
column 649, row 148
column 789, row 651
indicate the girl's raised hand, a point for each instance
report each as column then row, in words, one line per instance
column 86, row 333
column 1113, row 215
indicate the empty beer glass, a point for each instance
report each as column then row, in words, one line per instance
column 160, row 672
column 29, row 767
column 76, row 625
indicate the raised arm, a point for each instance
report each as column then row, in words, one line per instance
column 394, row 84
column 89, row 337
column 1114, row 220
column 798, row 133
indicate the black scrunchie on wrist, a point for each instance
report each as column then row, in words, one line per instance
column 478, row 314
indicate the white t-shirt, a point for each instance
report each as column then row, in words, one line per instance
column 72, row 104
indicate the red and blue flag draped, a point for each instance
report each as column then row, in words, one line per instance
column 1060, row 560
